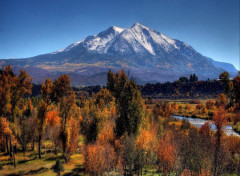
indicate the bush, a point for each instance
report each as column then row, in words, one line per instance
column 210, row 113
column 185, row 124
column 58, row 167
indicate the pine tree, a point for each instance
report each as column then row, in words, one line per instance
column 129, row 103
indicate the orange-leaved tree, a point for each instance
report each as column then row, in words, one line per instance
column 42, row 109
column 166, row 154
column 72, row 131
column 99, row 158
column 5, row 133
column 53, row 123
column 219, row 120
column 40, row 122
column 65, row 98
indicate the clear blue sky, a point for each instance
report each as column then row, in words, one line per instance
column 33, row 27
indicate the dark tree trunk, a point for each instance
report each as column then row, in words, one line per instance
column 7, row 145
column 55, row 150
column 216, row 154
column 39, row 146
column 10, row 146
column 24, row 150
column 15, row 148
column 12, row 152
column 33, row 145
column 64, row 139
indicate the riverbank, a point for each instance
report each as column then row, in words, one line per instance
column 198, row 122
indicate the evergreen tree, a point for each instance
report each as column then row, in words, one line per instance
column 58, row 167
column 129, row 103
column 193, row 78
column 228, row 85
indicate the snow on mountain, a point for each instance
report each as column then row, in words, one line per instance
column 138, row 39
column 98, row 43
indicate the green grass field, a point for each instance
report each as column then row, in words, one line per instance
column 31, row 165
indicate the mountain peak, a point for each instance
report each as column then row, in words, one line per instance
column 118, row 29
column 138, row 25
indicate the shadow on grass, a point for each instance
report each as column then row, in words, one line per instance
column 4, row 154
column 78, row 170
column 54, row 158
column 31, row 172
column 19, row 161
column 37, row 171
column 24, row 161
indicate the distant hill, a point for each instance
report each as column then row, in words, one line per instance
column 145, row 54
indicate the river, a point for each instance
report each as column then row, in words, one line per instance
column 199, row 122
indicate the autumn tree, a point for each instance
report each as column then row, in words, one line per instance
column 72, row 133
column 220, row 120
column 163, row 109
column 40, row 121
column 209, row 105
column 106, row 134
column 146, row 146
column 103, row 98
column 90, row 121
column 98, row 118
column 129, row 154
column 53, row 124
column 23, row 129
column 64, row 97
column 6, row 84
column 232, row 145
column 46, row 91
column 13, row 89
column 5, row 133
column 221, row 100
column 196, row 161
column 206, row 146
column 99, row 158
column 166, row 154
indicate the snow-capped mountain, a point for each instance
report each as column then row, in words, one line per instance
column 147, row 54
column 138, row 39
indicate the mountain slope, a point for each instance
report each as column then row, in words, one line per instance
column 146, row 54
column 225, row 66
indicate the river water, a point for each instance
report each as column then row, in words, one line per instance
column 199, row 122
